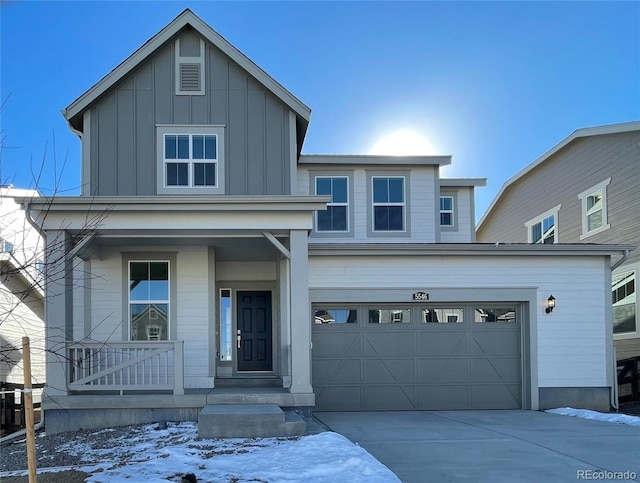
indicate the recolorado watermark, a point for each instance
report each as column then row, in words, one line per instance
column 605, row 475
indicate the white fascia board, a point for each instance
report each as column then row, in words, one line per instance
column 179, row 213
column 187, row 17
column 579, row 133
column 373, row 159
column 462, row 182
column 465, row 249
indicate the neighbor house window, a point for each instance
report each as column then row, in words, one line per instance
column 149, row 300
column 446, row 211
column 190, row 159
column 388, row 203
column 6, row 246
column 336, row 216
column 594, row 209
column 623, row 291
column 543, row 229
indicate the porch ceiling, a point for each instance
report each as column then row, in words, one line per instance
column 228, row 248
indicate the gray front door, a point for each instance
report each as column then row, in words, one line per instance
column 255, row 331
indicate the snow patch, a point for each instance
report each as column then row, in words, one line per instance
column 588, row 414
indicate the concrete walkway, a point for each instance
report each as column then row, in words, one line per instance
column 491, row 446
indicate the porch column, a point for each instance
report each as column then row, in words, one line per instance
column 57, row 310
column 300, row 315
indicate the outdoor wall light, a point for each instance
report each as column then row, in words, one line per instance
column 551, row 303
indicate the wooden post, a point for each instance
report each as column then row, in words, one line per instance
column 28, row 407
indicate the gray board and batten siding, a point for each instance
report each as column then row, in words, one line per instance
column 122, row 131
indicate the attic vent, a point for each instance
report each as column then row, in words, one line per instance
column 189, row 77
column 189, row 69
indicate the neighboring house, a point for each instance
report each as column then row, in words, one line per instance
column 21, row 291
column 327, row 282
column 586, row 189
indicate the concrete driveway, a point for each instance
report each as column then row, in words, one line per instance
column 492, row 446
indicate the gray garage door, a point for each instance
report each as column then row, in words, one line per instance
column 403, row 358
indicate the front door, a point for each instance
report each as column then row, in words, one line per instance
column 254, row 332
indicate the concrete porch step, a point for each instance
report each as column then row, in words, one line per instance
column 240, row 382
column 248, row 421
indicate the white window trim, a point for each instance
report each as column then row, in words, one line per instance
column 403, row 204
column 452, row 211
column 331, row 203
column 189, row 60
column 539, row 219
column 150, row 302
column 167, row 129
column 583, row 198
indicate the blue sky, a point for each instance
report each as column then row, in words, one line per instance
column 495, row 84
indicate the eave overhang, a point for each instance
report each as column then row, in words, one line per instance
column 174, row 213
column 462, row 182
column 372, row 160
column 465, row 249
column 73, row 112
column 579, row 133
column 11, row 267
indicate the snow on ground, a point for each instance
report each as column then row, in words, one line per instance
column 587, row 414
column 153, row 454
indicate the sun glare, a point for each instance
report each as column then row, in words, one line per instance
column 403, row 143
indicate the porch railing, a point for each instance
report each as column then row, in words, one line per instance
column 126, row 366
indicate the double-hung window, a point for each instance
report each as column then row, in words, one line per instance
column 190, row 159
column 594, row 209
column 544, row 228
column 446, row 211
column 149, row 300
column 388, row 203
column 336, row 217
column 623, row 293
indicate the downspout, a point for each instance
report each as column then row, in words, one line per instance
column 625, row 255
column 614, row 389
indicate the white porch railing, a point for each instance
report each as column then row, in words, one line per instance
column 133, row 366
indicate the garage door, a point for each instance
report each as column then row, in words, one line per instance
column 405, row 358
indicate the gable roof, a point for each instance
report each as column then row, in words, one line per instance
column 577, row 134
column 73, row 112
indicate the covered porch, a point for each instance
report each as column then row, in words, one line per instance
column 225, row 320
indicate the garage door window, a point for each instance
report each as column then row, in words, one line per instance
column 335, row 316
column 389, row 316
column 443, row 316
column 495, row 314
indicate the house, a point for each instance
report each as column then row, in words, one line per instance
column 21, row 292
column 583, row 190
column 306, row 281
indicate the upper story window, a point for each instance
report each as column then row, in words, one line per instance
column 446, row 211
column 336, row 217
column 190, row 159
column 594, row 209
column 388, row 203
column 543, row 228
